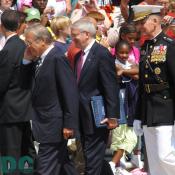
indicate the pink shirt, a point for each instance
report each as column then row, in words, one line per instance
column 134, row 55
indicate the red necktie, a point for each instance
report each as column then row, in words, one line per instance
column 80, row 65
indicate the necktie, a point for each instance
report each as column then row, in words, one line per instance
column 80, row 65
column 37, row 66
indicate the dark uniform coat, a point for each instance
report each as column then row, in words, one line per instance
column 157, row 82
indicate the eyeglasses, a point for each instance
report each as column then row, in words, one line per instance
column 29, row 43
column 74, row 35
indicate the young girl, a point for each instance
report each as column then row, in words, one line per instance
column 123, row 137
column 128, row 32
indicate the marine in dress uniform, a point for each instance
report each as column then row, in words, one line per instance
column 157, row 96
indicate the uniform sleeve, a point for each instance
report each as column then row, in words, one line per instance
column 139, row 104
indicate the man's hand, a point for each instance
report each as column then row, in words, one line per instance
column 68, row 133
column 111, row 123
column 28, row 54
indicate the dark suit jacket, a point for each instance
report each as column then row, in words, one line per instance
column 97, row 77
column 15, row 103
column 55, row 98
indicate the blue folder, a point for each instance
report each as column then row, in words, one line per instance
column 98, row 109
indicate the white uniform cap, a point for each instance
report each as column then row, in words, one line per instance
column 142, row 11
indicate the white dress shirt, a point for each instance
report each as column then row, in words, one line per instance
column 86, row 51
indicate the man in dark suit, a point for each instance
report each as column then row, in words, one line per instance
column 55, row 101
column 96, row 77
column 15, row 103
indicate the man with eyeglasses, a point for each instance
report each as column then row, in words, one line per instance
column 155, row 109
column 95, row 73
column 54, row 99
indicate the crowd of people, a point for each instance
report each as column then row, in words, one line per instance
column 57, row 56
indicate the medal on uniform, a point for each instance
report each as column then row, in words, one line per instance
column 157, row 70
column 159, row 53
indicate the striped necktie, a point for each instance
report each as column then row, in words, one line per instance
column 37, row 66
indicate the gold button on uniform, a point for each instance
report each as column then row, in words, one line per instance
column 146, row 75
column 157, row 70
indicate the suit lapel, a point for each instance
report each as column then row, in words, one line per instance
column 88, row 62
column 37, row 83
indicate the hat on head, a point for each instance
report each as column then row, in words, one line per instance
column 96, row 15
column 32, row 13
column 142, row 11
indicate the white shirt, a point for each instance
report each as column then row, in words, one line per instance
column 86, row 51
column 44, row 54
column 126, row 65
column 2, row 41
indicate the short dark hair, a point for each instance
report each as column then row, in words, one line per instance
column 127, row 28
column 120, row 44
column 22, row 17
column 10, row 20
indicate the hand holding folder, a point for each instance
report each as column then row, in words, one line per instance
column 98, row 109
column 111, row 123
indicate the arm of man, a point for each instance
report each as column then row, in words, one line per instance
column 68, row 93
column 139, row 105
column 26, row 74
column 27, row 69
column 124, row 9
column 6, row 70
column 110, row 88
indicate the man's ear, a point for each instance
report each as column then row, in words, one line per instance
column 43, row 43
column 155, row 20
column 87, row 34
